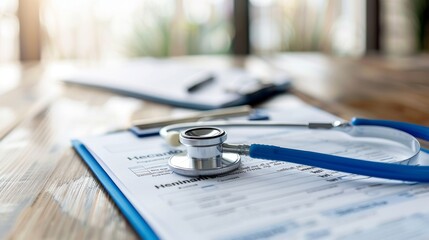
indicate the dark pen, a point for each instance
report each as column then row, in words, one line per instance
column 200, row 83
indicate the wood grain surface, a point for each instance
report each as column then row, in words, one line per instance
column 47, row 192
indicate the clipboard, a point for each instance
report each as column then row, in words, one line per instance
column 146, row 231
column 170, row 81
column 137, row 220
column 142, row 228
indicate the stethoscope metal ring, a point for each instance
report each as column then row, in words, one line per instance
column 204, row 156
column 202, row 136
column 182, row 165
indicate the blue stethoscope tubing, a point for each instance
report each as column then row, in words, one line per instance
column 394, row 171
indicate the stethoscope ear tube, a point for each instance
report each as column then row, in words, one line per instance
column 394, row 171
column 415, row 130
column 418, row 131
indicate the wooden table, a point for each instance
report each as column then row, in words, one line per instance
column 46, row 191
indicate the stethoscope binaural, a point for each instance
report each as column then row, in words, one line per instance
column 207, row 153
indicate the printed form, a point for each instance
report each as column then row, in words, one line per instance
column 267, row 199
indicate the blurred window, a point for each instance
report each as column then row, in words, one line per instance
column 332, row 26
column 122, row 28
column 9, row 31
column 404, row 24
column 99, row 29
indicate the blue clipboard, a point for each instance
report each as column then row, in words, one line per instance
column 141, row 227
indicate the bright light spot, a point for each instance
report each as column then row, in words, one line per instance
column 261, row 3
column 8, row 6
column 265, row 35
column 197, row 11
column 345, row 40
column 217, row 40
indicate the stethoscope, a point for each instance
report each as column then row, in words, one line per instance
column 207, row 153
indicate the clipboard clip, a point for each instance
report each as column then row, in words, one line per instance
column 149, row 127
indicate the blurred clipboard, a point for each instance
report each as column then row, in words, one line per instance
column 182, row 85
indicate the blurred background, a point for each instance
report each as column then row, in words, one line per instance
column 103, row 29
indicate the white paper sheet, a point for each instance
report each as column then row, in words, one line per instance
column 266, row 199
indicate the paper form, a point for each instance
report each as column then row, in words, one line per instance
column 266, row 199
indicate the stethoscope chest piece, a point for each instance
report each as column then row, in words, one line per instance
column 204, row 155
